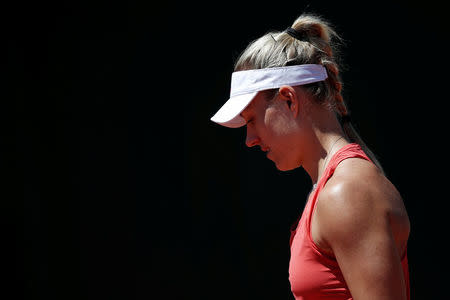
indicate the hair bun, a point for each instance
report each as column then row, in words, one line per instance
column 310, row 26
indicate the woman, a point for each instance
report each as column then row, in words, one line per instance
column 350, row 242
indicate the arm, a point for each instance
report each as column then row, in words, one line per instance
column 355, row 222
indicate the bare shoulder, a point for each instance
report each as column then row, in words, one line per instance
column 359, row 197
column 356, row 180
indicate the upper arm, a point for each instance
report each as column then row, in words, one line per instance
column 355, row 225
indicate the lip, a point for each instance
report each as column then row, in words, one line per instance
column 266, row 150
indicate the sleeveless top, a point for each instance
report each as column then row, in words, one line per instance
column 312, row 273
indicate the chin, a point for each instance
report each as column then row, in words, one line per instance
column 286, row 167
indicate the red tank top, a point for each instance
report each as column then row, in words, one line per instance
column 312, row 273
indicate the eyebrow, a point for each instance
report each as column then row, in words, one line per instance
column 244, row 117
column 247, row 110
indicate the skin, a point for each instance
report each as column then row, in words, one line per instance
column 360, row 218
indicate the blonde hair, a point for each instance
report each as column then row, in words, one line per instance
column 319, row 44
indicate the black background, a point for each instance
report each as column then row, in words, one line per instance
column 117, row 185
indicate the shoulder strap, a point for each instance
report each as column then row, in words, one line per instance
column 348, row 151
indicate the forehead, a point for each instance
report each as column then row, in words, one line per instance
column 257, row 104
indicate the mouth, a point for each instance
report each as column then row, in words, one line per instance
column 266, row 150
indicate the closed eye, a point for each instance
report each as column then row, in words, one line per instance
column 248, row 120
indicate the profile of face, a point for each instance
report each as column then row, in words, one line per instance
column 273, row 124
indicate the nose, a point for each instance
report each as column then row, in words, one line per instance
column 252, row 139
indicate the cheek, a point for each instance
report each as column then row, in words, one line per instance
column 277, row 122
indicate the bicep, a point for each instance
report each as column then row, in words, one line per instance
column 361, row 239
column 371, row 265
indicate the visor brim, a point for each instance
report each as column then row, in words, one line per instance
column 229, row 114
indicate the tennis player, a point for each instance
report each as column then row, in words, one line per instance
column 351, row 239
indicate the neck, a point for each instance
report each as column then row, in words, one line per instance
column 325, row 142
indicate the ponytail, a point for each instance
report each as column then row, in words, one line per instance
column 354, row 137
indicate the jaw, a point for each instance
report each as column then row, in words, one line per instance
column 284, row 164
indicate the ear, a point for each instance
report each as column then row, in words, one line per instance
column 291, row 98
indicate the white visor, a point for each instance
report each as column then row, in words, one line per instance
column 246, row 84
